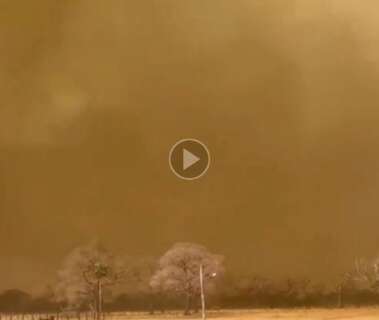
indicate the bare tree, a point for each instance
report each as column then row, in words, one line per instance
column 87, row 271
column 366, row 273
column 178, row 271
column 343, row 282
column 296, row 289
column 363, row 276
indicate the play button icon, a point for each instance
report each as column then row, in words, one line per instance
column 189, row 159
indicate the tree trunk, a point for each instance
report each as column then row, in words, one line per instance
column 202, row 292
column 187, row 311
column 340, row 296
column 151, row 306
column 99, row 306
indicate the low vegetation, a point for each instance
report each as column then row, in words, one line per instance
column 92, row 283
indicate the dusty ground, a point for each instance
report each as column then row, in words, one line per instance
column 297, row 314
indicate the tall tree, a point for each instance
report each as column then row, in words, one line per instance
column 178, row 271
column 85, row 273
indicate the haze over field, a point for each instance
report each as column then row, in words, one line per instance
column 94, row 94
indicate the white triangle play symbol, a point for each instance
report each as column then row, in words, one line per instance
column 189, row 159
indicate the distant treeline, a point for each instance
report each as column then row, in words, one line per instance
column 18, row 301
column 93, row 280
column 256, row 293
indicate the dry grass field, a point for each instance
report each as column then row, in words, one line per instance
column 268, row 314
column 258, row 314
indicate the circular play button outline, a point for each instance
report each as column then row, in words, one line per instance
column 193, row 160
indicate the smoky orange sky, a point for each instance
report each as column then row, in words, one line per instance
column 94, row 94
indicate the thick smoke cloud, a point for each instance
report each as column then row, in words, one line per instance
column 283, row 92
